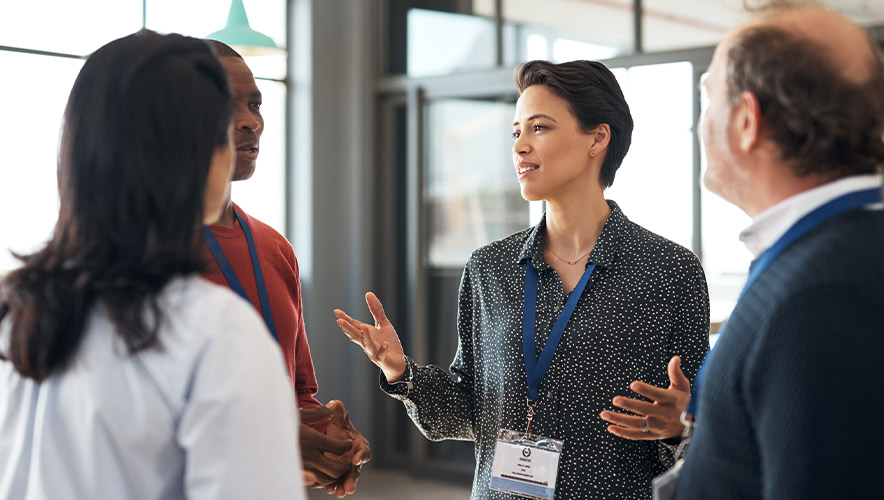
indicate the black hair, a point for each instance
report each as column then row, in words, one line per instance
column 593, row 95
column 222, row 49
column 143, row 120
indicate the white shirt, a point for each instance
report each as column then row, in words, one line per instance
column 209, row 415
column 770, row 225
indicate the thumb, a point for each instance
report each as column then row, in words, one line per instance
column 377, row 309
column 677, row 379
column 309, row 478
column 338, row 412
column 315, row 415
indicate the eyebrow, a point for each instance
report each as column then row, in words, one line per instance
column 536, row 116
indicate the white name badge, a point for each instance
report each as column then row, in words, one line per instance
column 526, row 464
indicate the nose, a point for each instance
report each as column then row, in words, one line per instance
column 521, row 146
column 245, row 120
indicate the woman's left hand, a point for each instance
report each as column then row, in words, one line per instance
column 658, row 419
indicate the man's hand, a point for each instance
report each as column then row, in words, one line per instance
column 325, row 457
column 659, row 419
column 360, row 452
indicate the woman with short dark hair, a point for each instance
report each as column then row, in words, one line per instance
column 122, row 373
column 557, row 321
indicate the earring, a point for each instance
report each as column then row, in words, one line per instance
column 592, row 153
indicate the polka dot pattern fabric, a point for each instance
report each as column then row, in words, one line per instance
column 645, row 302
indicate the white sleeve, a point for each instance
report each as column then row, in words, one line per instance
column 239, row 427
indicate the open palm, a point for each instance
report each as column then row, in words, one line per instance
column 379, row 342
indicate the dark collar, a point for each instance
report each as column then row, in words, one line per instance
column 603, row 254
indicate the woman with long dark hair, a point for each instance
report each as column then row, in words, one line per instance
column 122, row 373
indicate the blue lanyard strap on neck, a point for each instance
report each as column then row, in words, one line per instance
column 536, row 368
column 844, row 203
column 230, row 275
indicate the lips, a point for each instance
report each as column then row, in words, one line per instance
column 524, row 167
column 247, row 151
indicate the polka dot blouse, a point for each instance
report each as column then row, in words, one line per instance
column 645, row 302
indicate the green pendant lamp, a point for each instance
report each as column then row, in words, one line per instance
column 239, row 35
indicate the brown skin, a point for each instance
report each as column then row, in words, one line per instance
column 332, row 460
column 248, row 125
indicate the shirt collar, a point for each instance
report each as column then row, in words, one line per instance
column 770, row 225
column 603, row 253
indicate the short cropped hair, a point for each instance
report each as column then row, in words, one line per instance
column 820, row 122
column 594, row 96
column 222, row 49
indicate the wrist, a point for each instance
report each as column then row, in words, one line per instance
column 396, row 372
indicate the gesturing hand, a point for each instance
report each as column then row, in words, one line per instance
column 659, row 419
column 379, row 342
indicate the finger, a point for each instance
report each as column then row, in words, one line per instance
column 631, row 422
column 362, row 450
column 343, row 317
column 320, row 479
column 632, row 434
column 310, row 479
column 635, row 406
column 350, row 481
column 315, row 415
column 340, row 416
column 677, row 378
column 350, row 329
column 318, row 442
column 335, row 408
column 377, row 309
column 653, row 392
column 353, row 332
column 334, row 446
column 362, row 456
column 332, row 466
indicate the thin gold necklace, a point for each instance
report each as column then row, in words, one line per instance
column 566, row 261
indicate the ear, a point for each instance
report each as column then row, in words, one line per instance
column 747, row 121
column 601, row 136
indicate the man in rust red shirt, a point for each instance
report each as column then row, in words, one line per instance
column 259, row 263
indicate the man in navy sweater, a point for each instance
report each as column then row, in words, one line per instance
column 788, row 405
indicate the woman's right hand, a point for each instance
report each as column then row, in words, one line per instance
column 379, row 342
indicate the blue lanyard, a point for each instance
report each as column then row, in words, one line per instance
column 230, row 275
column 837, row 206
column 536, row 367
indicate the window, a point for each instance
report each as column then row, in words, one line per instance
column 33, row 103
column 654, row 184
column 472, row 194
column 39, row 49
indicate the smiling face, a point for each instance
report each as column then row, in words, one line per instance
column 551, row 154
column 247, row 120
